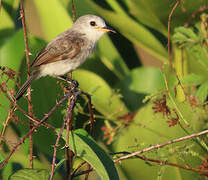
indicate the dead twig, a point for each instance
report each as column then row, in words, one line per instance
column 157, row 146
column 73, row 10
column 69, row 111
column 169, row 20
column 30, row 109
column 35, row 127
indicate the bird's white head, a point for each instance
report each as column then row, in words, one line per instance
column 93, row 26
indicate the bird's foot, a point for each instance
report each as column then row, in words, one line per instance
column 70, row 81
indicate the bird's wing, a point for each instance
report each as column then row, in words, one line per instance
column 63, row 48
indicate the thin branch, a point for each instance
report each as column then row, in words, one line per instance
column 157, row 146
column 30, row 109
column 169, row 20
column 83, row 172
column 201, row 9
column 69, row 111
column 87, row 174
column 55, row 149
column 91, row 113
column 83, row 163
column 35, row 127
column 160, row 162
column 69, row 153
column 73, row 10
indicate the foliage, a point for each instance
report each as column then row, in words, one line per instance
column 134, row 105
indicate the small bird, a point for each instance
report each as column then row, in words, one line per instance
column 68, row 50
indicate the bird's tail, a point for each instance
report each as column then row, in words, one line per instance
column 25, row 86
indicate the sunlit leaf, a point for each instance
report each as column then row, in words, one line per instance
column 134, row 31
column 104, row 98
column 30, row 174
column 52, row 23
column 86, row 148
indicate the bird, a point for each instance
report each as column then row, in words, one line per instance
column 68, row 50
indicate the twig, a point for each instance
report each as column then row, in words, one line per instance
column 30, row 109
column 87, row 174
column 55, row 149
column 35, row 126
column 73, row 174
column 69, row 153
column 91, row 113
column 169, row 20
column 73, row 10
column 160, row 162
column 157, row 146
column 201, row 9
column 69, row 111
column 83, row 172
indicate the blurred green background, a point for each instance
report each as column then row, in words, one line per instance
column 124, row 69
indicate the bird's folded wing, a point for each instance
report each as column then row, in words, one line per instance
column 58, row 50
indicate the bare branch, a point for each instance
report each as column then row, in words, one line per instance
column 30, row 109
column 157, row 146
column 35, row 127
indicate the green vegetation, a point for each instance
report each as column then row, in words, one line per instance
column 140, row 95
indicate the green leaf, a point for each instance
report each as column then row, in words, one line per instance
column 12, row 52
column 6, row 21
column 135, row 32
column 202, row 92
column 192, row 79
column 149, row 128
column 82, row 144
column 146, row 13
column 104, row 98
column 144, row 80
column 111, row 58
column 30, row 174
column 52, row 23
column 185, row 36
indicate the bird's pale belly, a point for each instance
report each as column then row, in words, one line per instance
column 60, row 68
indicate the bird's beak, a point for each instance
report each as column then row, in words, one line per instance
column 105, row 29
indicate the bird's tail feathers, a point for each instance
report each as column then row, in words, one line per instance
column 26, row 85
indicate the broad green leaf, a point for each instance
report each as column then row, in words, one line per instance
column 144, row 80
column 12, row 52
column 140, row 82
column 185, row 36
column 192, row 79
column 11, row 7
column 86, row 148
column 111, row 58
column 53, row 17
column 202, row 92
column 144, row 11
column 149, row 128
column 155, row 13
column 30, row 174
column 135, row 32
column 104, row 98
column 5, row 20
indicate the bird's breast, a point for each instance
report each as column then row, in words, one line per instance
column 62, row 67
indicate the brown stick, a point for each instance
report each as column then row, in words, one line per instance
column 73, row 10
column 157, row 146
column 30, row 109
column 69, row 111
column 160, row 162
column 169, row 20
column 35, row 127
column 91, row 113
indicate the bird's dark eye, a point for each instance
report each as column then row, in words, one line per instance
column 92, row 23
